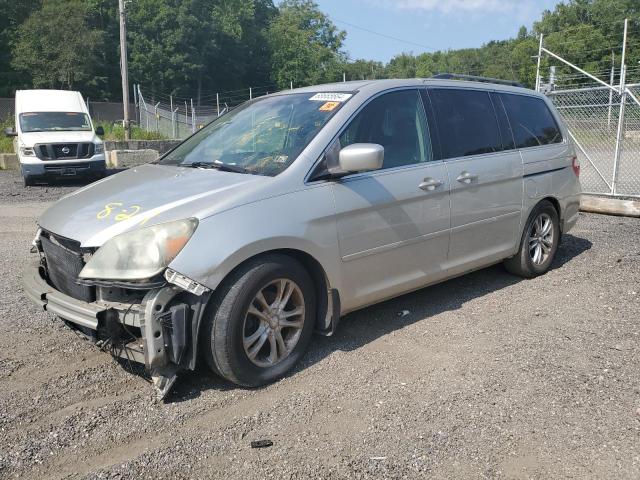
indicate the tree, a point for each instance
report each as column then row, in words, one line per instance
column 56, row 47
column 402, row 66
column 363, row 70
column 13, row 15
column 305, row 45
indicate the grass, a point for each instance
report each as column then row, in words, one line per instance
column 115, row 132
column 6, row 143
column 112, row 131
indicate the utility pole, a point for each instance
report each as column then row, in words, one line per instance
column 623, row 102
column 124, row 69
column 538, row 79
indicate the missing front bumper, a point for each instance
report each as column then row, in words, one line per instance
column 165, row 325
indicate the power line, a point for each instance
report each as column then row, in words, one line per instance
column 384, row 35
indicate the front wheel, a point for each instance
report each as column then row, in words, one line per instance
column 261, row 321
column 27, row 181
column 539, row 243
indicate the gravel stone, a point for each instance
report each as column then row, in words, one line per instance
column 485, row 376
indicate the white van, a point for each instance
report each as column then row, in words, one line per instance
column 55, row 136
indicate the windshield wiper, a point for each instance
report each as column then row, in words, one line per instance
column 223, row 167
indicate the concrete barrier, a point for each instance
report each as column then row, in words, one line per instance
column 130, row 158
column 610, row 206
column 9, row 161
column 160, row 146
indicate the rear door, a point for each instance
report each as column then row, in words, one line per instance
column 393, row 224
column 485, row 172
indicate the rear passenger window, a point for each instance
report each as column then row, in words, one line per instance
column 467, row 122
column 531, row 120
column 397, row 121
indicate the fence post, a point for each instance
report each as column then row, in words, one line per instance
column 193, row 118
column 539, row 61
column 218, row 103
column 157, row 116
column 250, row 93
column 291, row 85
column 174, row 132
column 623, row 101
column 611, row 79
column 173, row 125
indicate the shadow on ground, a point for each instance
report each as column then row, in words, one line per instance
column 364, row 326
column 73, row 181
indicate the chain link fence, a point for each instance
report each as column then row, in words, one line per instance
column 609, row 150
column 177, row 118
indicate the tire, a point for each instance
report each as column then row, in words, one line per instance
column 238, row 343
column 27, row 181
column 536, row 253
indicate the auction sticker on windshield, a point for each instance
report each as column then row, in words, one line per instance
column 329, row 106
column 331, row 97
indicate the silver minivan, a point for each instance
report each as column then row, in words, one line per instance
column 297, row 208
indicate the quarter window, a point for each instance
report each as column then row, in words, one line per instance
column 467, row 122
column 531, row 120
column 396, row 121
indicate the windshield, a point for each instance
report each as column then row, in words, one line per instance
column 263, row 136
column 54, row 121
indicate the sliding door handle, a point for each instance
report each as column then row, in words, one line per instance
column 467, row 178
column 429, row 184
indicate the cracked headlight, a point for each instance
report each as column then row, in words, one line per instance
column 140, row 254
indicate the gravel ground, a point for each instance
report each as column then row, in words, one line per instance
column 487, row 375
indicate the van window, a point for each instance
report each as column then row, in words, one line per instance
column 396, row 121
column 54, row 121
column 263, row 136
column 531, row 120
column 467, row 122
column 503, row 122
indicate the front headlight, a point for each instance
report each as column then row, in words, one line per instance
column 98, row 148
column 140, row 254
column 27, row 152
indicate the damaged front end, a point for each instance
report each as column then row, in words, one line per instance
column 154, row 323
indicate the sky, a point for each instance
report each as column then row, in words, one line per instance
column 428, row 25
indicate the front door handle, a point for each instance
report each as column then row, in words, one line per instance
column 467, row 178
column 429, row 184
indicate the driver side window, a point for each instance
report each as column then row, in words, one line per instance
column 398, row 122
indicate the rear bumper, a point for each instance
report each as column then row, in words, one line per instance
column 75, row 311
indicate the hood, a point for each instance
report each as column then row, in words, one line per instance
column 31, row 138
column 145, row 196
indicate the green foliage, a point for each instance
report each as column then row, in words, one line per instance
column 6, row 143
column 55, row 45
column 305, row 45
column 115, row 131
column 192, row 48
column 583, row 31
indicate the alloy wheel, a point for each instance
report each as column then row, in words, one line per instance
column 273, row 323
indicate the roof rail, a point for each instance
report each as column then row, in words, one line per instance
column 473, row 78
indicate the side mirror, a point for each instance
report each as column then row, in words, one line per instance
column 100, row 131
column 361, row 157
column 10, row 132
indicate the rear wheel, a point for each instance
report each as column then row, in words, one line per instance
column 261, row 321
column 539, row 243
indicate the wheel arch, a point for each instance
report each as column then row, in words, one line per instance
column 556, row 204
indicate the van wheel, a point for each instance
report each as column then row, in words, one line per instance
column 27, row 181
column 261, row 321
column 539, row 243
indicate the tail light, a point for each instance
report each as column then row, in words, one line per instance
column 575, row 164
